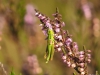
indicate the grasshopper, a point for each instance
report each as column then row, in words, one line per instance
column 50, row 45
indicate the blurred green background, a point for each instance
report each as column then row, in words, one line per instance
column 22, row 43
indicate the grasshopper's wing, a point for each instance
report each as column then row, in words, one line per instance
column 52, row 46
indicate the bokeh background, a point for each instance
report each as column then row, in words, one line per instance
column 22, row 43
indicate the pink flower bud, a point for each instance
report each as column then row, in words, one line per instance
column 48, row 25
column 60, row 37
column 68, row 44
column 56, row 45
column 64, row 57
column 81, row 69
column 43, row 17
column 68, row 41
column 69, row 63
column 81, row 52
column 83, row 73
column 64, row 60
column 75, row 46
column 89, row 55
column 37, row 13
column 44, row 32
column 63, row 24
column 81, row 64
column 40, row 15
column 57, row 30
column 57, row 25
column 70, row 53
column 58, row 49
column 89, row 51
column 81, row 59
column 81, row 56
column 73, row 65
column 88, row 60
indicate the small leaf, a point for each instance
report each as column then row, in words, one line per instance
column 74, row 73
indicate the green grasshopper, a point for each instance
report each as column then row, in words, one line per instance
column 50, row 39
column 50, row 45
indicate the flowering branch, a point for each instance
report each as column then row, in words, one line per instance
column 64, row 44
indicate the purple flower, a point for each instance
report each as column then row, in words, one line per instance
column 89, row 56
column 63, row 24
column 81, row 52
column 88, row 60
column 37, row 13
column 57, row 30
column 58, row 49
column 64, row 57
column 81, row 56
column 59, row 37
column 44, row 32
column 68, row 41
column 75, row 46
column 81, row 64
column 57, row 25
column 48, row 25
column 68, row 63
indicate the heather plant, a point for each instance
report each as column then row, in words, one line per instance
column 82, row 21
column 59, row 40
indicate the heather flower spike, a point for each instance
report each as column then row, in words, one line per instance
column 60, row 40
